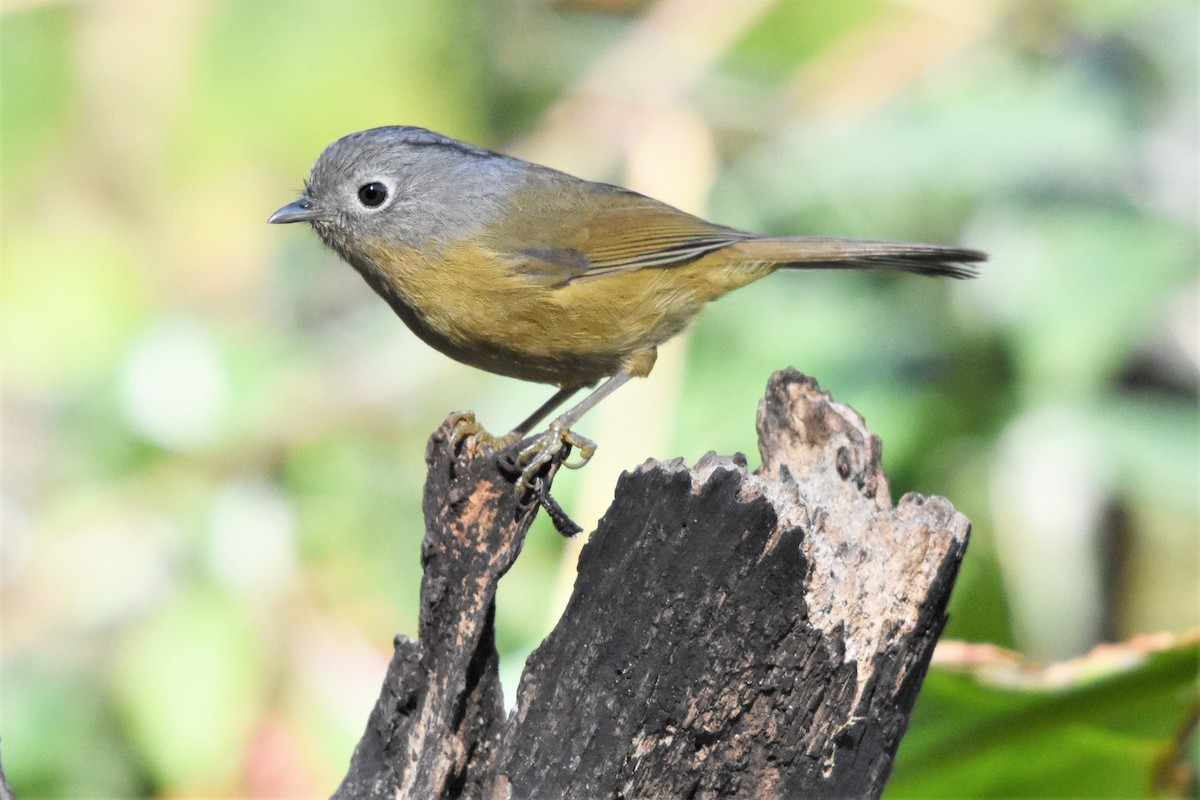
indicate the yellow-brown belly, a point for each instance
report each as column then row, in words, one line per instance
column 481, row 311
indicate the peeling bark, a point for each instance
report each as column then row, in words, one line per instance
column 730, row 634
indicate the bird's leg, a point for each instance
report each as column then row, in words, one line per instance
column 549, row 445
column 545, row 408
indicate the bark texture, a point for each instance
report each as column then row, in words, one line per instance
column 731, row 634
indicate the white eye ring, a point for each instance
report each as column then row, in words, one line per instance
column 373, row 194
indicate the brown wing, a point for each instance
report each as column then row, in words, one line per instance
column 650, row 235
column 607, row 230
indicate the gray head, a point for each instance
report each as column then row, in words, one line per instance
column 400, row 185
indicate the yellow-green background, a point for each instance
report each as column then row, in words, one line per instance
column 213, row 433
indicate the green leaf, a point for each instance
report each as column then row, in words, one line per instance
column 1105, row 725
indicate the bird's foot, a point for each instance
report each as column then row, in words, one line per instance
column 553, row 445
column 463, row 425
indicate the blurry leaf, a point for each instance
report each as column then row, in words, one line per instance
column 190, row 685
column 35, row 84
column 59, row 738
column 794, row 30
column 1108, row 724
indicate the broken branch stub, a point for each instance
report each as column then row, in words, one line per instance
column 730, row 633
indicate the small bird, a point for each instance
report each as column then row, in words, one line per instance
column 525, row 271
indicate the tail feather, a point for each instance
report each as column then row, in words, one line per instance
column 810, row 252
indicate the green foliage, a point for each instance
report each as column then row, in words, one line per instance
column 46, row 693
column 1110, row 725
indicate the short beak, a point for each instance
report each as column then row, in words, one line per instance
column 302, row 210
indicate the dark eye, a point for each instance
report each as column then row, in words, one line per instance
column 372, row 195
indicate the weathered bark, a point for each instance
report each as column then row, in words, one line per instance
column 730, row 633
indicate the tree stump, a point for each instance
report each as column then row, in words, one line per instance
column 730, row 634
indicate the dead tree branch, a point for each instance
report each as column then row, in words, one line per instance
column 731, row 634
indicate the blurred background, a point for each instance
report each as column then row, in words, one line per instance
column 213, row 432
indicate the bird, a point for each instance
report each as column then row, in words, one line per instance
column 526, row 271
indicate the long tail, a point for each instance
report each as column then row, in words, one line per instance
column 811, row 252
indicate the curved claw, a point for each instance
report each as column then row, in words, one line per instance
column 463, row 424
column 585, row 446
